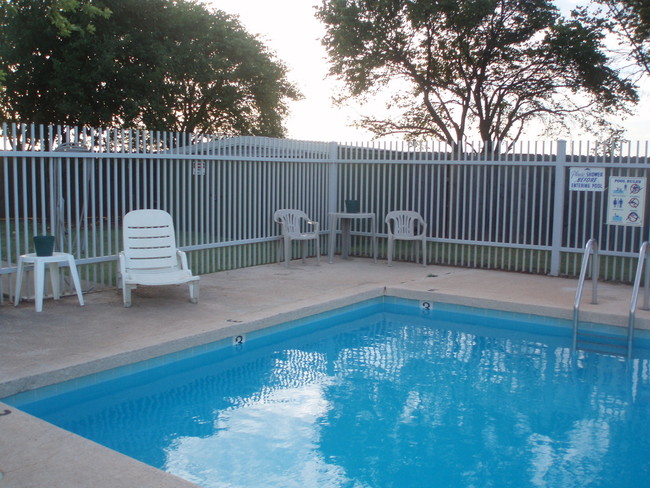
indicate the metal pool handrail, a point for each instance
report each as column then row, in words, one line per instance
column 590, row 247
column 635, row 295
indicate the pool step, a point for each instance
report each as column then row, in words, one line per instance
column 602, row 343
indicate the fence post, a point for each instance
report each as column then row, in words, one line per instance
column 558, row 207
column 333, row 177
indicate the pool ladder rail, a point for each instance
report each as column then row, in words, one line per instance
column 607, row 344
column 586, row 340
column 643, row 255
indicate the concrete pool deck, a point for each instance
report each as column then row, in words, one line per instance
column 66, row 340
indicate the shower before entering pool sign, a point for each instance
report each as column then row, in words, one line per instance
column 586, row 179
column 626, row 200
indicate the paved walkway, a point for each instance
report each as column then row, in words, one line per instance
column 66, row 340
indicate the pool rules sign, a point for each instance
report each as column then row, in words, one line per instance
column 626, row 200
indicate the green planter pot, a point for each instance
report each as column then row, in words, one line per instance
column 352, row 206
column 44, row 245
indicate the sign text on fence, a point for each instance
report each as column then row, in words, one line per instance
column 626, row 200
column 586, row 179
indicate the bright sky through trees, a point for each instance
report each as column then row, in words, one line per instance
column 290, row 28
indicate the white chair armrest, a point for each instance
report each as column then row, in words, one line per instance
column 182, row 257
column 316, row 225
column 122, row 260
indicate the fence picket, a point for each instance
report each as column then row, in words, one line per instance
column 499, row 208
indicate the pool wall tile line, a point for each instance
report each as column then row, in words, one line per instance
column 197, row 341
column 598, row 314
column 485, row 321
column 471, row 320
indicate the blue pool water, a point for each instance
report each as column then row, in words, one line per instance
column 387, row 393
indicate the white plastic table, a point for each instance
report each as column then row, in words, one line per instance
column 346, row 223
column 53, row 263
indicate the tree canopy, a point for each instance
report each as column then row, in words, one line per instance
column 629, row 21
column 467, row 68
column 156, row 64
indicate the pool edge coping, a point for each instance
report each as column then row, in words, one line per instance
column 83, row 368
column 130, row 471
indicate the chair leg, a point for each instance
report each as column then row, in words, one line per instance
column 126, row 295
column 318, row 251
column 424, row 252
column 19, row 282
column 39, row 284
column 75, row 279
column 390, row 251
column 304, row 252
column 54, row 280
column 287, row 251
column 194, row 291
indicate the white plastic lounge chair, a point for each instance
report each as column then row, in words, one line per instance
column 150, row 256
column 406, row 225
column 294, row 224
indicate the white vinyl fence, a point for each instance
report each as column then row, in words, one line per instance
column 503, row 209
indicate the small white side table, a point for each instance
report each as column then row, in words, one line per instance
column 53, row 263
column 346, row 220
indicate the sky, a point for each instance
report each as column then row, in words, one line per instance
column 290, row 29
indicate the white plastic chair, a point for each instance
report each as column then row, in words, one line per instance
column 406, row 225
column 294, row 224
column 150, row 256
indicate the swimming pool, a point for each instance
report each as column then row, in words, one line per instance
column 386, row 393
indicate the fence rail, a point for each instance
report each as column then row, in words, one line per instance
column 500, row 209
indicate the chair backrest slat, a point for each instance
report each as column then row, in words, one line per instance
column 149, row 240
column 290, row 220
column 404, row 223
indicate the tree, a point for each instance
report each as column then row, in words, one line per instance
column 488, row 67
column 156, row 64
column 57, row 12
column 629, row 21
column 218, row 79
